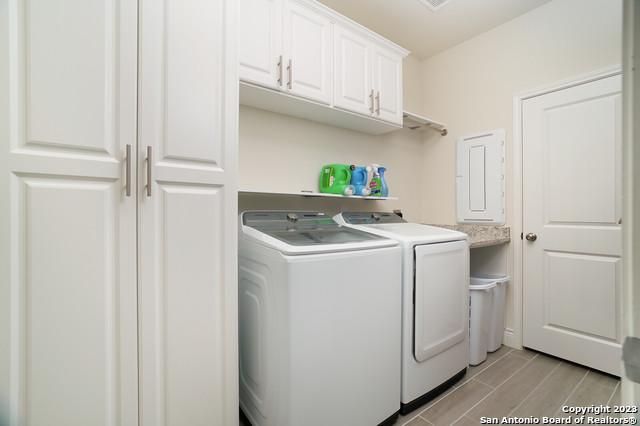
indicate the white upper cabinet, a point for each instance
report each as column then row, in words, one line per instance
column 368, row 78
column 387, row 84
column 260, row 40
column 307, row 49
column 352, row 88
column 304, row 49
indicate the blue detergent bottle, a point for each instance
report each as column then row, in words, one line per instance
column 359, row 180
column 384, row 189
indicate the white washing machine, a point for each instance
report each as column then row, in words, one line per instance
column 319, row 322
column 435, row 301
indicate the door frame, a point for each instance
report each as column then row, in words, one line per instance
column 513, row 337
column 631, row 184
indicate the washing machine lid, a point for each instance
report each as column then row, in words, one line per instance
column 306, row 232
column 393, row 226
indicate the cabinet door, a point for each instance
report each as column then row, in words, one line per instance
column 352, row 71
column 187, row 213
column 387, row 83
column 307, row 49
column 260, row 41
column 68, row 327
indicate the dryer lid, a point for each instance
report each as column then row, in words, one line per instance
column 393, row 226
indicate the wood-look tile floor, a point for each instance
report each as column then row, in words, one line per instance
column 516, row 383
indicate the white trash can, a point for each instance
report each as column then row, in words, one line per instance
column 480, row 309
column 496, row 329
column 496, row 335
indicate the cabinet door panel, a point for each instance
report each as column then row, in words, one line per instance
column 388, row 86
column 187, row 223
column 69, row 301
column 307, row 50
column 260, row 41
column 68, row 325
column 352, row 71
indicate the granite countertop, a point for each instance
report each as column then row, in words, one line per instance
column 482, row 235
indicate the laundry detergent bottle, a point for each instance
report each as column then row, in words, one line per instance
column 336, row 179
column 360, row 180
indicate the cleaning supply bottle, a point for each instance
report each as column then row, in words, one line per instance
column 367, row 187
column 376, row 183
column 384, row 189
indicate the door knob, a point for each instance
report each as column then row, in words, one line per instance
column 531, row 236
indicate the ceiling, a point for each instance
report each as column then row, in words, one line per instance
column 416, row 27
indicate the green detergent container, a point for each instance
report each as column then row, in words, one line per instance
column 336, row 179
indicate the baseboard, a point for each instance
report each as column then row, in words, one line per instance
column 510, row 339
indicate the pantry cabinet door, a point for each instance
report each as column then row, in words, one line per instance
column 387, row 83
column 260, row 42
column 352, row 71
column 307, row 51
column 187, row 213
column 68, row 327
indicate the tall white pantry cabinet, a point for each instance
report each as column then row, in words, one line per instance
column 118, row 210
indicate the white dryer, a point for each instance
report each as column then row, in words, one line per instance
column 435, row 286
column 319, row 322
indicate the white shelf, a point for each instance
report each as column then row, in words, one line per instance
column 284, row 103
column 417, row 122
column 313, row 194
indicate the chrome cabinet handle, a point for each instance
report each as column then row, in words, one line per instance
column 280, row 71
column 149, row 166
column 127, row 171
column 531, row 236
column 290, row 71
column 378, row 103
column 371, row 101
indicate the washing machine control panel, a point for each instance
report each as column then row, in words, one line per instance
column 287, row 220
column 304, row 228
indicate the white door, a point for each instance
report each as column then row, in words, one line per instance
column 572, row 209
column 188, row 108
column 307, row 51
column 260, row 42
column 352, row 71
column 441, row 298
column 68, row 328
column 387, row 83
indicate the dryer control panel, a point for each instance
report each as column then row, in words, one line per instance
column 369, row 218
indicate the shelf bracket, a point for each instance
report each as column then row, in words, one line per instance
column 417, row 122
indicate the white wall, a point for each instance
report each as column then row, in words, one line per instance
column 471, row 86
column 282, row 153
column 412, row 84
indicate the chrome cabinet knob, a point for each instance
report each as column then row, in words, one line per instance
column 531, row 236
